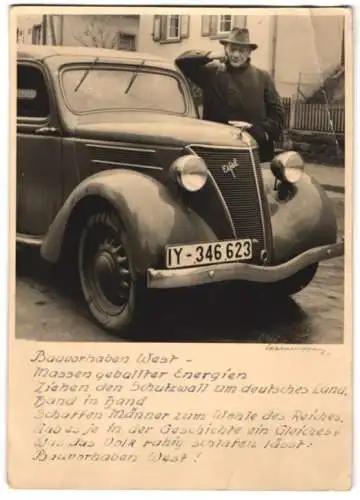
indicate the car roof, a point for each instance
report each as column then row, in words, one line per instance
column 42, row 52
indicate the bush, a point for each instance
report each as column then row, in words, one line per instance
column 317, row 147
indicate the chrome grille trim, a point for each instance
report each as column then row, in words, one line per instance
column 122, row 156
column 123, row 164
column 212, row 146
column 122, row 148
column 259, row 195
column 219, row 193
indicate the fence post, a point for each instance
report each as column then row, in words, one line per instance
column 292, row 113
column 292, row 109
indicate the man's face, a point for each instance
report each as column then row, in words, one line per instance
column 237, row 54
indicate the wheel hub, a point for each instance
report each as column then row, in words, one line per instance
column 105, row 270
column 111, row 273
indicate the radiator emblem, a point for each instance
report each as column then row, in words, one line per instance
column 230, row 166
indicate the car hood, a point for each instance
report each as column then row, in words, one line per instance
column 167, row 130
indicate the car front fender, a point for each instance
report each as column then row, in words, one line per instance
column 151, row 215
column 304, row 221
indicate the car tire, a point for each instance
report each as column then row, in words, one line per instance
column 294, row 284
column 114, row 295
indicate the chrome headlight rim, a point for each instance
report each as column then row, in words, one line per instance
column 190, row 172
column 288, row 167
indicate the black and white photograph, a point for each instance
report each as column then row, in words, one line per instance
column 180, row 269
column 181, row 177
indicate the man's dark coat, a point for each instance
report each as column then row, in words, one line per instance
column 243, row 94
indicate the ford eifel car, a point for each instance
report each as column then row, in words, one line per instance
column 119, row 179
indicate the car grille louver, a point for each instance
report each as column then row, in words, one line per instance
column 242, row 192
column 122, row 155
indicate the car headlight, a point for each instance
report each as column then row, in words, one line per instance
column 190, row 172
column 288, row 167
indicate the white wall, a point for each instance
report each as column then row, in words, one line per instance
column 261, row 32
column 305, row 47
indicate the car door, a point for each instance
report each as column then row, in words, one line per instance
column 39, row 148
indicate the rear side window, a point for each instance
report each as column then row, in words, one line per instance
column 32, row 94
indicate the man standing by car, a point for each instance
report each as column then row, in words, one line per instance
column 235, row 90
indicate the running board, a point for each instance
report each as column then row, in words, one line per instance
column 28, row 239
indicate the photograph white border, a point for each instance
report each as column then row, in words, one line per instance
column 4, row 200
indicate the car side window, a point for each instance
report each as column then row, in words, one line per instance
column 32, row 94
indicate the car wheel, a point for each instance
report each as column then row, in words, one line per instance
column 295, row 283
column 107, row 275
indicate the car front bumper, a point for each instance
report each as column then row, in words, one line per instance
column 240, row 271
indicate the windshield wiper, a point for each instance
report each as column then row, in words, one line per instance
column 87, row 71
column 134, row 75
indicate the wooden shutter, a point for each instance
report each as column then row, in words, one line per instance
column 184, row 26
column 163, row 27
column 214, row 21
column 209, row 25
column 159, row 28
column 239, row 22
column 156, row 34
column 205, row 25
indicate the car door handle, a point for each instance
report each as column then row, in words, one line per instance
column 47, row 131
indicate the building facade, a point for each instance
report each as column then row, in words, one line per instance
column 295, row 49
column 168, row 36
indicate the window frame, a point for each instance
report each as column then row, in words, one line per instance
column 210, row 25
column 168, row 37
column 20, row 37
column 34, row 120
column 220, row 19
column 37, row 33
column 162, row 26
column 128, row 36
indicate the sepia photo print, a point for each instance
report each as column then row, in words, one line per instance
column 181, row 248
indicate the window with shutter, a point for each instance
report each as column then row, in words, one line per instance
column 218, row 26
column 210, row 25
column 225, row 24
column 172, row 28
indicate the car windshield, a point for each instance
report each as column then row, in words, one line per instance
column 109, row 88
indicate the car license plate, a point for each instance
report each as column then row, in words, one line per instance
column 208, row 253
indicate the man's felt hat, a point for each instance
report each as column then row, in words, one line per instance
column 239, row 36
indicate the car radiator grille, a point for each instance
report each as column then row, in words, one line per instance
column 242, row 191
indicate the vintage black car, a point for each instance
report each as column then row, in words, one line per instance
column 119, row 179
